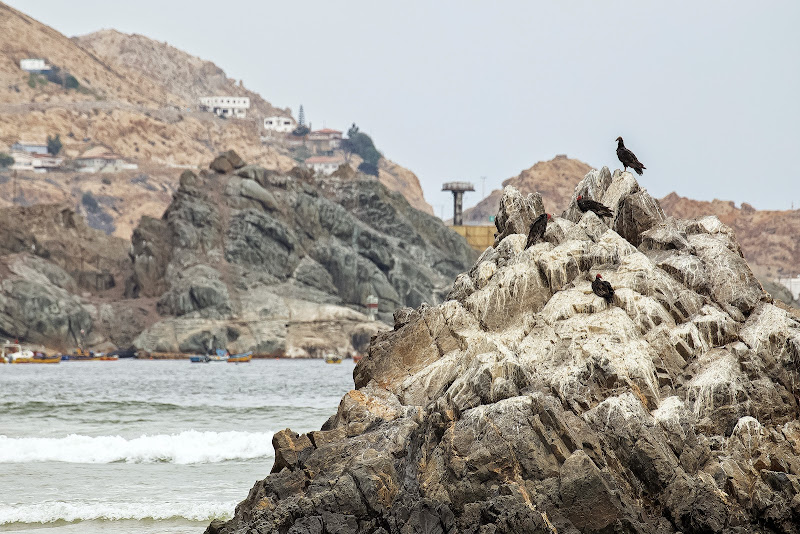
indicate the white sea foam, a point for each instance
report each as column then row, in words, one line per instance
column 53, row 511
column 188, row 447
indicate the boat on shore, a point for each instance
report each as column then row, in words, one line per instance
column 242, row 357
column 88, row 355
column 14, row 353
column 220, row 355
column 333, row 358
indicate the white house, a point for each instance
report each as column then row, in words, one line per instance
column 226, row 106
column 101, row 159
column 27, row 161
column 324, row 164
column 279, row 124
column 324, row 141
column 34, row 65
column 31, row 148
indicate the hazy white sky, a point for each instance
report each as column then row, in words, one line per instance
column 705, row 93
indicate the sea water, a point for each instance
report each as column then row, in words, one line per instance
column 148, row 446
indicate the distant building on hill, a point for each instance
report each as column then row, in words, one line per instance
column 29, row 161
column 31, row 148
column 101, row 159
column 34, row 65
column 279, row 124
column 226, row 106
column 324, row 141
column 326, row 165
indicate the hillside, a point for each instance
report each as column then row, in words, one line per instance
column 769, row 239
column 133, row 97
column 180, row 74
column 554, row 179
column 23, row 37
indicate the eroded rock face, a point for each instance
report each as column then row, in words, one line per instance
column 525, row 403
column 250, row 259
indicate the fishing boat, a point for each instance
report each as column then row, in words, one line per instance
column 333, row 358
column 242, row 357
column 199, row 358
column 220, row 355
column 13, row 353
column 357, row 358
column 79, row 355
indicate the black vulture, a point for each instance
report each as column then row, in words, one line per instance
column 587, row 204
column 538, row 227
column 628, row 158
column 602, row 288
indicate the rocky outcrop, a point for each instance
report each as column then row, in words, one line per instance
column 525, row 403
column 554, row 180
column 55, row 273
column 252, row 259
column 768, row 237
column 38, row 302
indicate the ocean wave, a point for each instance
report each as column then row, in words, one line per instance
column 70, row 512
column 188, row 447
column 44, row 407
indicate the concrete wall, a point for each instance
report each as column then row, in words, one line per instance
column 478, row 237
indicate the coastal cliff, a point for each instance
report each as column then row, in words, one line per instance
column 282, row 264
column 526, row 403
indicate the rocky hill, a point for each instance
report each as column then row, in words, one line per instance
column 554, row 179
column 769, row 239
column 132, row 97
column 23, row 37
column 180, row 74
column 62, row 282
column 245, row 258
column 252, row 259
column 526, row 403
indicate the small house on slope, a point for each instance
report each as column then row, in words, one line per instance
column 102, row 159
column 326, row 165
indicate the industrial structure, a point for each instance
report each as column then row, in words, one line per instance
column 458, row 189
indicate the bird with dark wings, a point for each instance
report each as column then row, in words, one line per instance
column 628, row 158
column 587, row 204
column 602, row 288
column 536, row 233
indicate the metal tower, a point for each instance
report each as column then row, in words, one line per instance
column 458, row 189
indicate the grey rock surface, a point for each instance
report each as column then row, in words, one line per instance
column 525, row 403
column 252, row 260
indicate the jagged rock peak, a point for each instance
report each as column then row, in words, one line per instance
column 526, row 403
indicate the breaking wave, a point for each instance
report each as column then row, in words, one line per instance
column 189, row 447
column 70, row 512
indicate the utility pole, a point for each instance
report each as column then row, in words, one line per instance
column 14, row 196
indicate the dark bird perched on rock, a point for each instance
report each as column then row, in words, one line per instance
column 587, row 204
column 628, row 158
column 536, row 233
column 602, row 288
